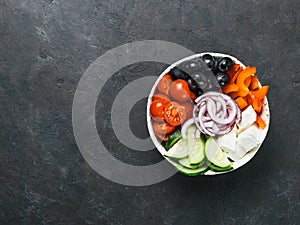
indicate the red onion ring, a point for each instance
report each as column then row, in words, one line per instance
column 216, row 113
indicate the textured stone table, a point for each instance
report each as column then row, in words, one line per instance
column 45, row 47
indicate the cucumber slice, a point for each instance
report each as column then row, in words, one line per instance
column 179, row 150
column 190, row 132
column 192, row 172
column 219, row 169
column 173, row 139
column 196, row 149
column 186, row 163
column 215, row 155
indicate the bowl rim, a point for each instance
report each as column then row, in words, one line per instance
column 237, row 164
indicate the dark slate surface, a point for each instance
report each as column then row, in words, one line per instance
column 45, row 47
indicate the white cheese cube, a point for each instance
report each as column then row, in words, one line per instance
column 236, row 155
column 248, row 139
column 227, row 142
column 248, row 118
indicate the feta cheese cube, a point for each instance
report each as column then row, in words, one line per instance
column 248, row 118
column 236, row 155
column 227, row 142
column 248, row 139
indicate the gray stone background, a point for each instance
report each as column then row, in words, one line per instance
column 45, row 47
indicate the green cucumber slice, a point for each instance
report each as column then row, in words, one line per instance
column 192, row 172
column 190, row 132
column 179, row 150
column 173, row 139
column 215, row 154
column 186, row 163
column 196, row 149
column 219, row 169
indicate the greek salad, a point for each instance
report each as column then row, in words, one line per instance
column 204, row 129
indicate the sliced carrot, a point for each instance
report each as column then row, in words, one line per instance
column 260, row 93
column 248, row 99
column 248, row 81
column 242, row 103
column 239, row 93
column 243, row 75
column 256, row 104
column 233, row 70
column 240, row 81
column 234, row 78
column 233, row 95
column 254, row 83
column 230, row 88
column 260, row 122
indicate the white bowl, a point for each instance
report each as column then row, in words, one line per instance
column 237, row 164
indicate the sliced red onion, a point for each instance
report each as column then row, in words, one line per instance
column 206, row 119
column 198, row 125
column 209, row 123
column 219, row 106
column 216, row 113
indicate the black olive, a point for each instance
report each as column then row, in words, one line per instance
column 177, row 73
column 194, row 87
column 222, row 79
column 198, row 92
column 215, row 68
column 225, row 64
column 209, row 61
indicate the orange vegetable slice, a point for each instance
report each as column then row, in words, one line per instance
column 233, row 70
column 261, row 92
column 241, row 102
column 248, row 81
column 248, row 99
column 260, row 122
column 239, row 93
column 234, row 78
column 230, row 88
column 242, row 76
column 254, row 83
column 256, row 104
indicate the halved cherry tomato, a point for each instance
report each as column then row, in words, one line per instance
column 179, row 90
column 157, row 109
column 162, row 128
column 164, row 84
column 160, row 97
column 163, row 137
column 174, row 114
column 188, row 108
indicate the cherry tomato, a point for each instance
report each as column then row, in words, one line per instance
column 157, row 109
column 188, row 108
column 164, row 84
column 174, row 114
column 179, row 90
column 162, row 128
column 163, row 137
column 161, row 97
